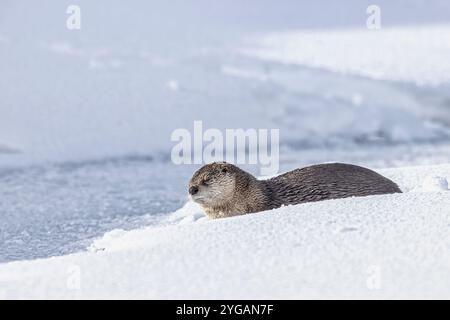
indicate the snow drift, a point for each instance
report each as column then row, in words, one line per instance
column 391, row 246
column 363, row 52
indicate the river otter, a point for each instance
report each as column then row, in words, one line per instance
column 224, row 190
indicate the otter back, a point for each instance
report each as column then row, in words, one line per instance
column 326, row 181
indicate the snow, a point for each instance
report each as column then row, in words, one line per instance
column 85, row 124
column 390, row 246
column 7, row 149
column 420, row 56
column 433, row 183
column 94, row 93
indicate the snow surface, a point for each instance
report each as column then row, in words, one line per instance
column 420, row 56
column 390, row 246
column 435, row 184
column 114, row 89
column 90, row 112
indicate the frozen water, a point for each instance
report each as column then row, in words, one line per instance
column 53, row 210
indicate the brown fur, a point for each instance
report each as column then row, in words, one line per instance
column 225, row 190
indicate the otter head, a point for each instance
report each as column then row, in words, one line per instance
column 213, row 184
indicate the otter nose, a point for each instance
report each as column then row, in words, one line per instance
column 193, row 190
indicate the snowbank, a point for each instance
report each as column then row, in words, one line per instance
column 392, row 246
column 394, row 53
